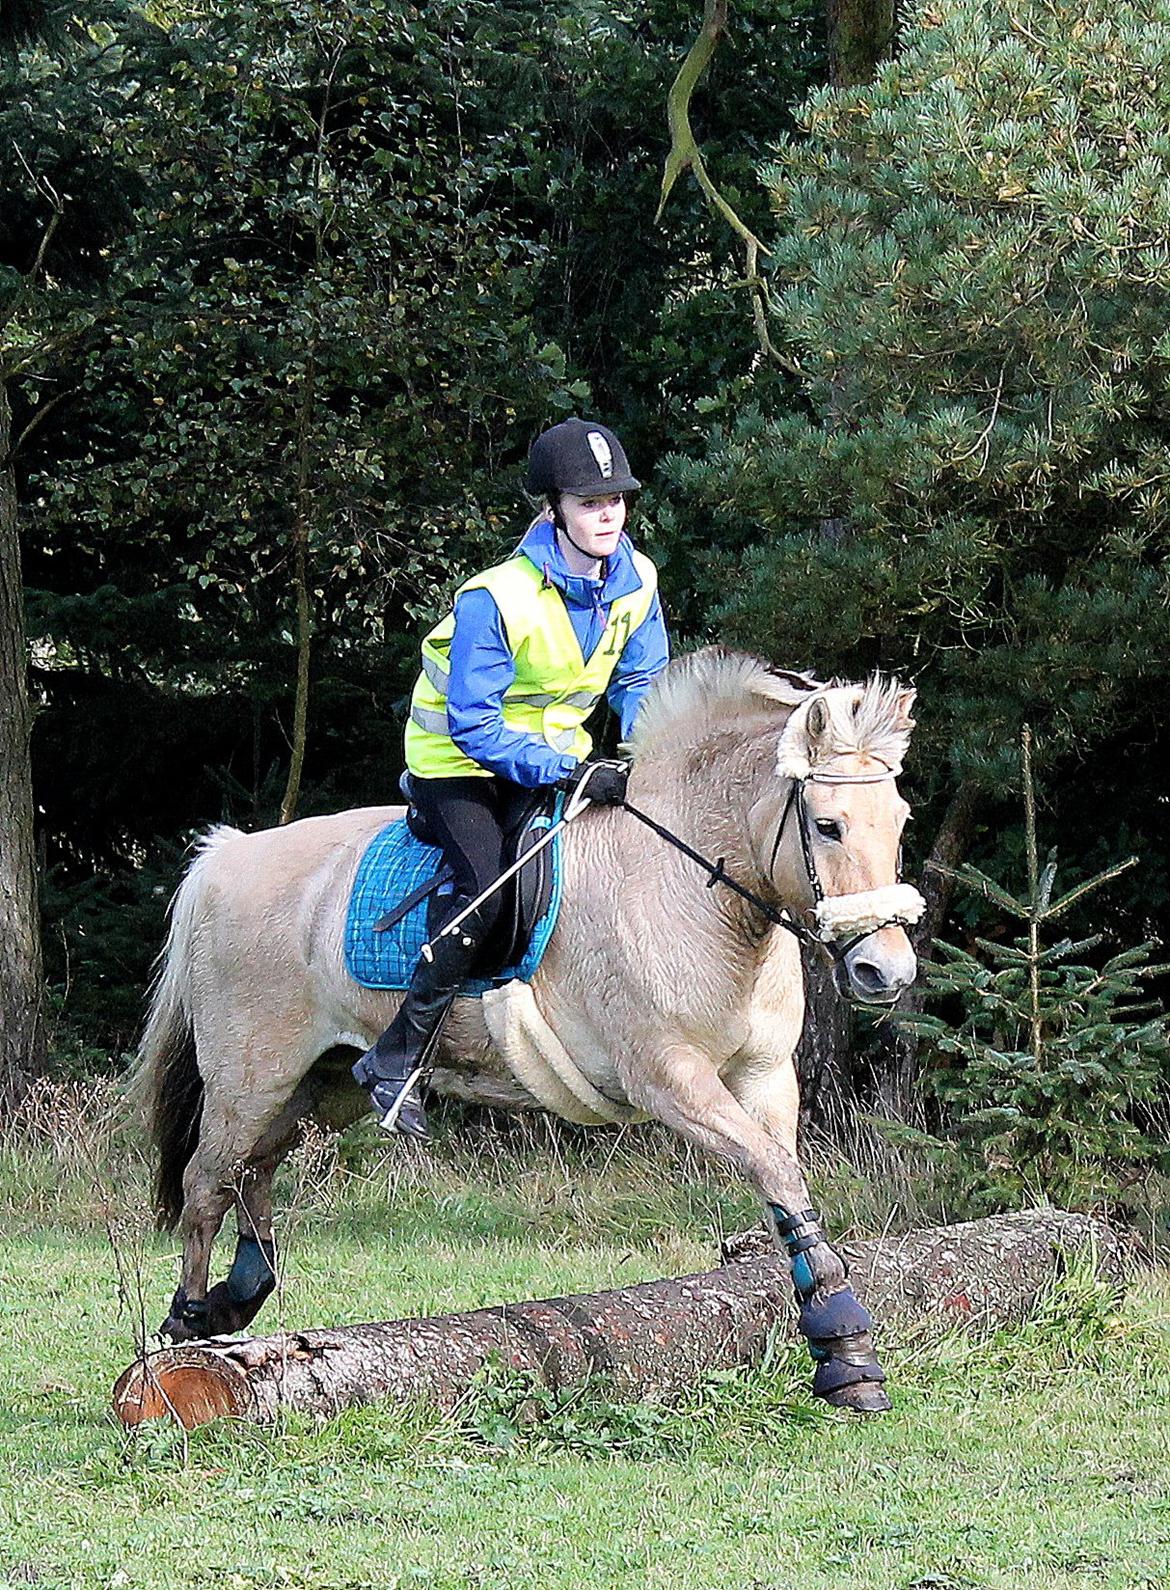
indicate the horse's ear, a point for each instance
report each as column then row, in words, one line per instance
column 903, row 708
column 796, row 751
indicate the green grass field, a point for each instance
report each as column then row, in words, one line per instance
column 1038, row 1459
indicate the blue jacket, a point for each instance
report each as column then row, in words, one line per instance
column 482, row 667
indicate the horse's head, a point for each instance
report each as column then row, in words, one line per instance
column 834, row 844
column 824, row 837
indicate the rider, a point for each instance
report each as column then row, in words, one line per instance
column 508, row 679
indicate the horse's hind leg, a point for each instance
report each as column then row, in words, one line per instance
column 207, row 1193
column 234, row 1303
column 213, row 1186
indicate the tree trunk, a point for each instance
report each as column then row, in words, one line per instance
column 861, row 35
column 22, row 1036
column 861, row 32
column 898, row 1095
column 824, row 1054
column 951, row 844
column 302, row 513
column 647, row 1341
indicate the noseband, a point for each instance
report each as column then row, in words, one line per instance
column 843, row 917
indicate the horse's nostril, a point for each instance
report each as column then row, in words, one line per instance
column 868, row 977
column 872, row 983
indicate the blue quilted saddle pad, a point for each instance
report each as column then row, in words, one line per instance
column 394, row 865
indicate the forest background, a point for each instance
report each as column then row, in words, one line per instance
column 287, row 290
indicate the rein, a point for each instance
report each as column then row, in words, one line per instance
column 717, row 872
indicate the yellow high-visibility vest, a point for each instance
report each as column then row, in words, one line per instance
column 555, row 688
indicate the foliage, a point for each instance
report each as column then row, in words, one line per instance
column 343, row 262
column 320, row 324
column 1044, row 1072
column 67, row 199
column 971, row 276
column 365, row 239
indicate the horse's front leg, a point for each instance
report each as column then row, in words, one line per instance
column 684, row 1090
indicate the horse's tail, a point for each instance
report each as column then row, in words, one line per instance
column 166, row 1081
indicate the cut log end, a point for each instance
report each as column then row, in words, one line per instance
column 191, row 1390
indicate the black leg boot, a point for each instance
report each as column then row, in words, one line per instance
column 394, row 1066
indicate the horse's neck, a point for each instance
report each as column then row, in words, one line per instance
column 705, row 803
column 705, row 793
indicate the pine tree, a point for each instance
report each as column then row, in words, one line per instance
column 972, row 280
column 971, row 285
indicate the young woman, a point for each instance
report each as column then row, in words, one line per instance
column 508, row 679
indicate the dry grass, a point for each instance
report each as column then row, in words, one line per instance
column 75, row 1154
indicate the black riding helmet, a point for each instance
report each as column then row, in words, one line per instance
column 581, row 457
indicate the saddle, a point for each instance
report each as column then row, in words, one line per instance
column 526, row 898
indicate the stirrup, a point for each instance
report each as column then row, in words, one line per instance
column 389, row 1121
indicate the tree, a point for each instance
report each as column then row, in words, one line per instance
column 861, row 33
column 65, row 201
column 1041, row 1063
column 312, row 343
column 44, row 239
column 972, row 277
column 356, row 286
column 22, row 1039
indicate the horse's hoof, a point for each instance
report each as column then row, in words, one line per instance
column 187, row 1320
column 867, row 1396
column 178, row 1331
column 224, row 1315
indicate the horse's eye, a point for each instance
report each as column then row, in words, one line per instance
column 828, row 828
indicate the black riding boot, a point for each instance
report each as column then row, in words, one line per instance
column 393, row 1067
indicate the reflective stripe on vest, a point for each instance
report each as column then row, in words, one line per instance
column 555, row 687
column 437, row 674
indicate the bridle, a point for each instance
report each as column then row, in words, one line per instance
column 887, row 910
column 858, row 915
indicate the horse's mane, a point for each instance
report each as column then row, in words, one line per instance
column 871, row 719
column 707, row 690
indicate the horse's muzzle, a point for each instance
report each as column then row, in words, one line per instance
column 878, row 969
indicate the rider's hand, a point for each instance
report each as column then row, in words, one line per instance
column 605, row 781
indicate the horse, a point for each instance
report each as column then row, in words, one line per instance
column 675, row 999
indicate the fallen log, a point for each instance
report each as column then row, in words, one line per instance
column 652, row 1340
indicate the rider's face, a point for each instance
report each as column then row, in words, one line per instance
column 594, row 523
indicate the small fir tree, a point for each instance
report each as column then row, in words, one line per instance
column 1041, row 1077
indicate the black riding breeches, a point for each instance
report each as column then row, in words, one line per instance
column 471, row 817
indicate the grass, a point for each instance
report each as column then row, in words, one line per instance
column 1038, row 1459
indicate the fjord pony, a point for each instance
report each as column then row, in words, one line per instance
column 678, row 999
